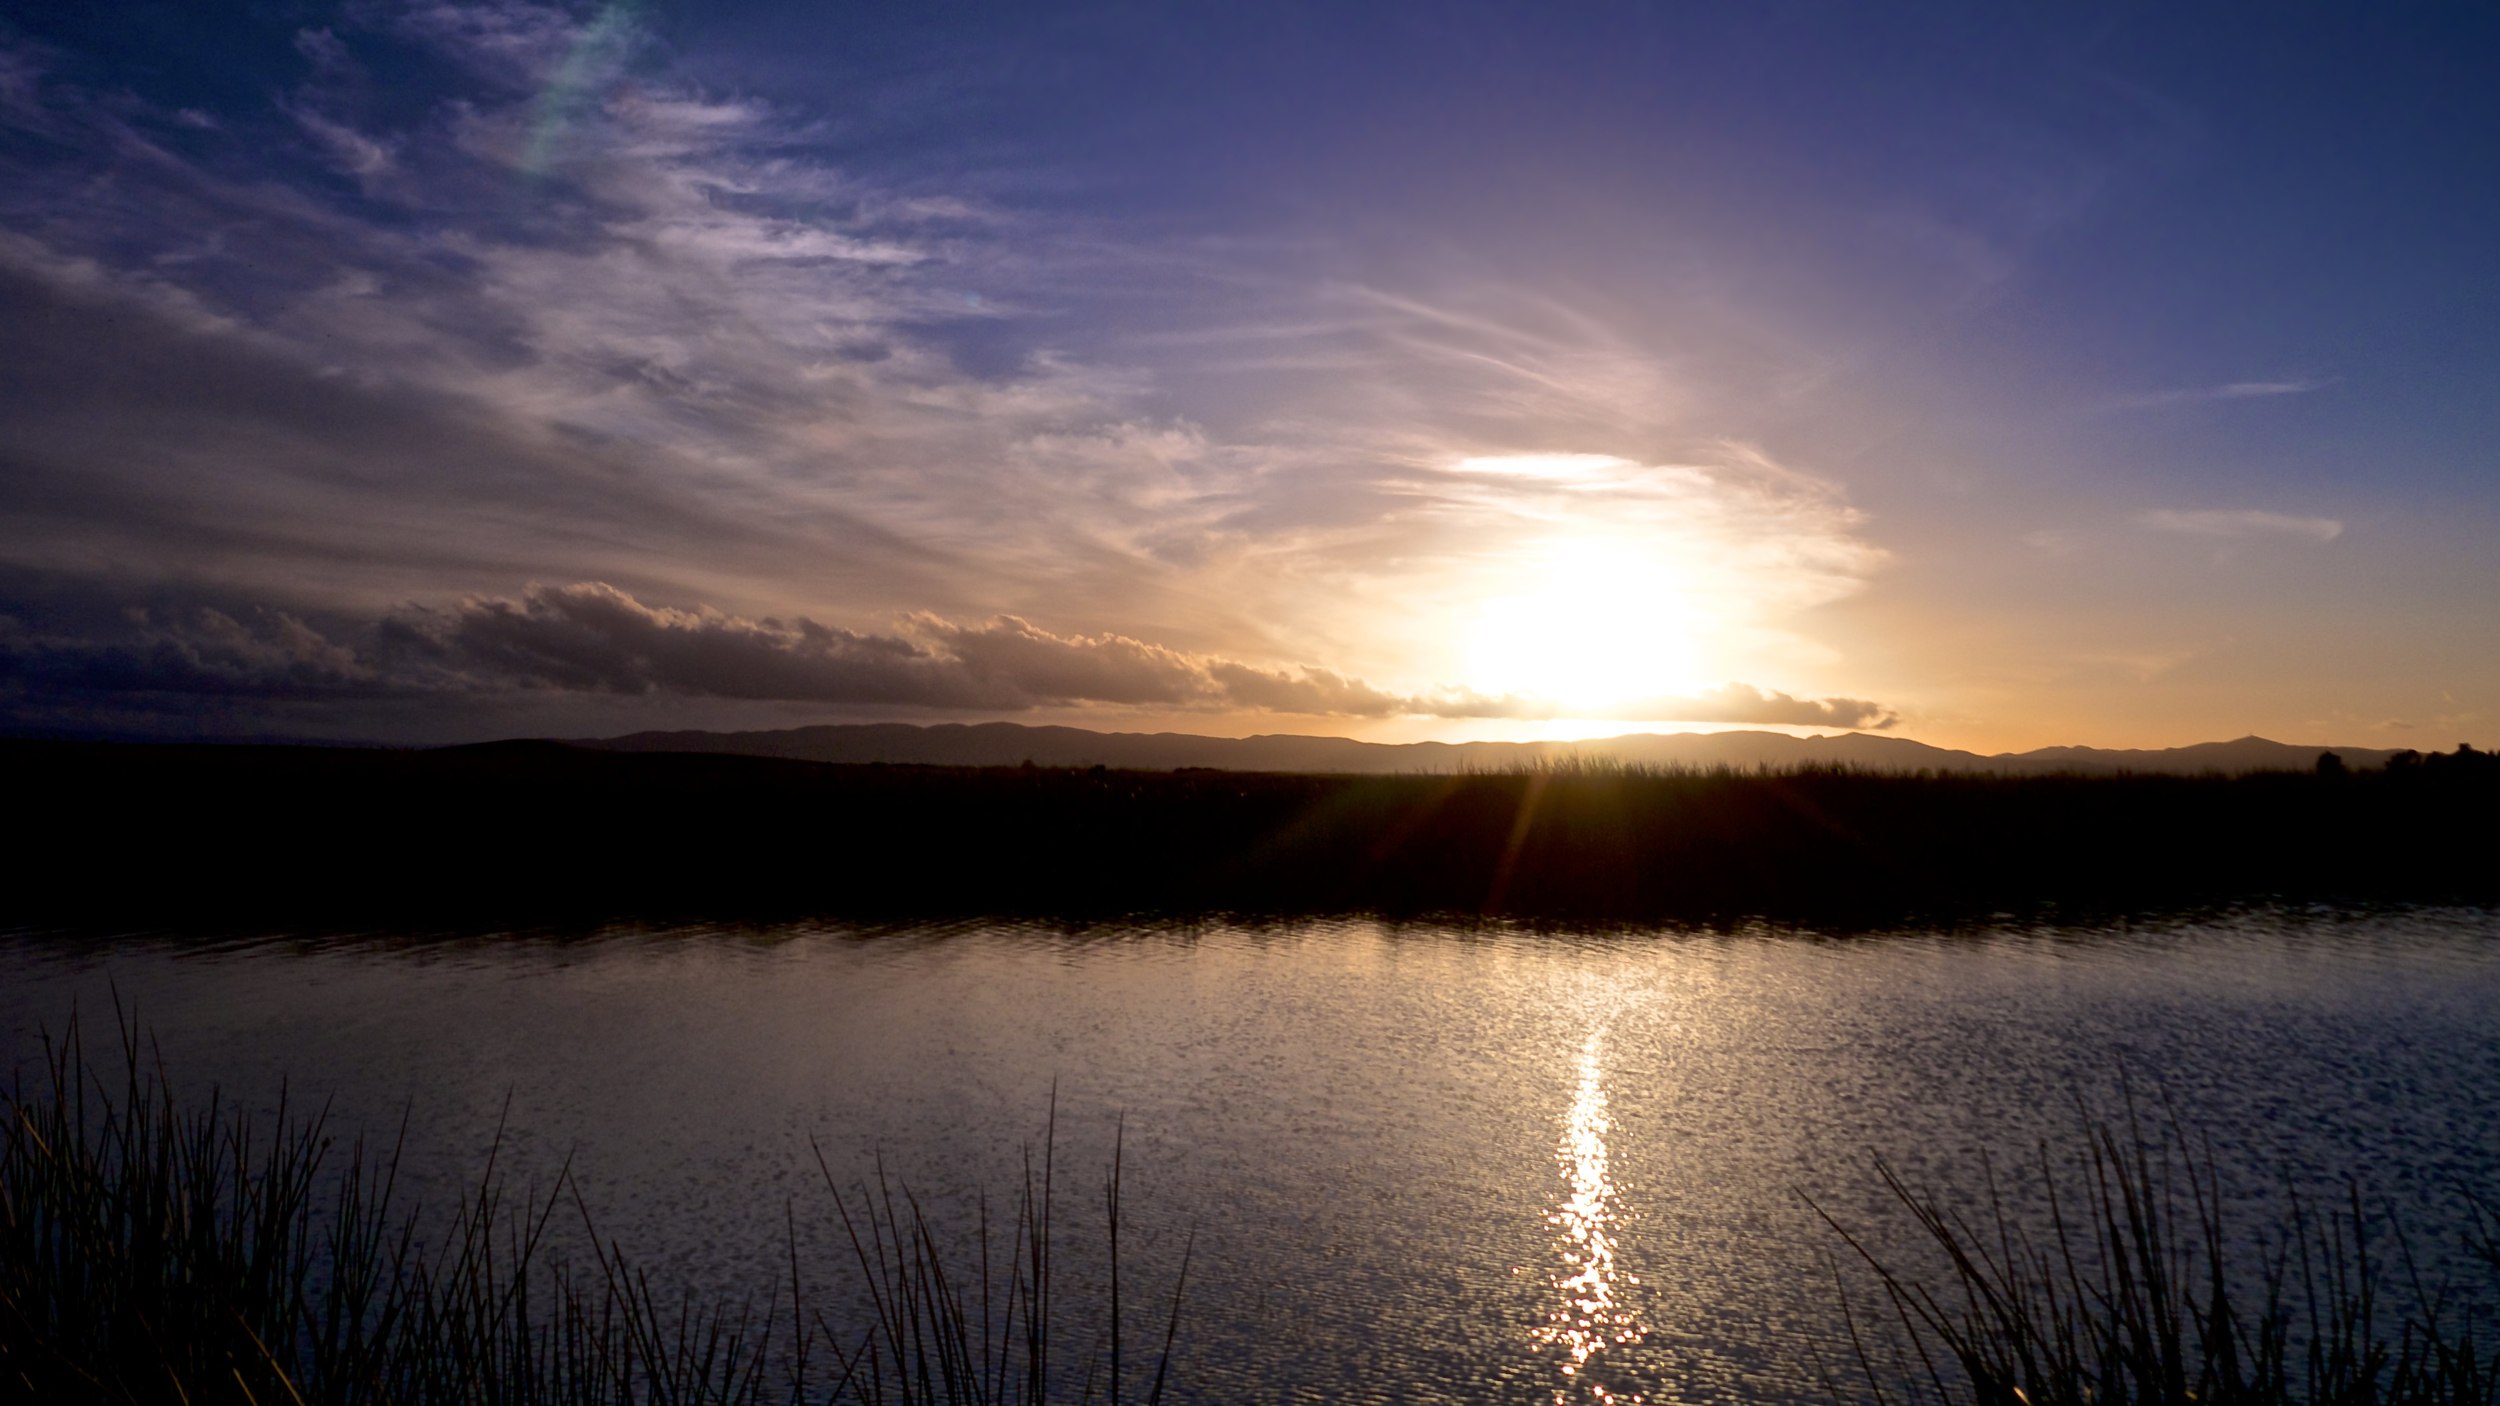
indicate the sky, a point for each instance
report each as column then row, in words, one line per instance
column 1998, row 376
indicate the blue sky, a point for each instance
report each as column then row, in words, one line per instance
column 1990, row 375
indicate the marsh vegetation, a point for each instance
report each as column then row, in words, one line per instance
column 544, row 833
column 2140, row 1286
column 153, row 1250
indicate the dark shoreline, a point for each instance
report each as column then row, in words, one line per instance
column 122, row 835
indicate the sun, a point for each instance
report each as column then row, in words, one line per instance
column 1591, row 624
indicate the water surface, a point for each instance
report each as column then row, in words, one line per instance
column 1420, row 1164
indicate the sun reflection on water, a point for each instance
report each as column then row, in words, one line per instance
column 1592, row 1313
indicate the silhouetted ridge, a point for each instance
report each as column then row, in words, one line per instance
column 1007, row 744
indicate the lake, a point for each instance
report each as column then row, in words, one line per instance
column 1419, row 1163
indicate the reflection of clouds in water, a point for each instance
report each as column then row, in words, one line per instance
column 1592, row 1313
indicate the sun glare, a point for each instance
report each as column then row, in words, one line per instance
column 1588, row 624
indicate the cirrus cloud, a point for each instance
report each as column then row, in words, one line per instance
column 2243, row 522
column 2228, row 390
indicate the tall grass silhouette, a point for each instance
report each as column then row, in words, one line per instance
column 2139, row 1292
column 152, row 1252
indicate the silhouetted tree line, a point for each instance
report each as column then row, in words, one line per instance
column 2462, row 764
column 541, row 833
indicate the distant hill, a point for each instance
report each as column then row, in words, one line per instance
column 1009, row 744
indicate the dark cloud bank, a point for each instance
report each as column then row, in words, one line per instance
column 69, row 654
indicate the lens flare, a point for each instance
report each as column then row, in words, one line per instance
column 598, row 49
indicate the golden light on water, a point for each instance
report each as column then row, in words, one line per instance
column 1592, row 1312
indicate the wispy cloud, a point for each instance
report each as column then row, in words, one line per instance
column 353, row 152
column 2243, row 523
column 679, row 342
column 21, row 86
column 2229, row 390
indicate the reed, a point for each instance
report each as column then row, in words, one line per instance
column 2138, row 1291
column 526, row 837
column 156, row 1252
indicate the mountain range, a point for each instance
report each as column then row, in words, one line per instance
column 1011, row 744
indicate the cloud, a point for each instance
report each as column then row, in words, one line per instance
column 1510, row 567
column 351, row 151
column 1015, row 659
column 21, row 84
column 1742, row 703
column 673, row 343
column 1306, row 691
column 583, row 318
column 203, row 652
column 590, row 638
column 323, row 49
column 1728, row 703
column 1759, row 531
column 522, row 43
column 2243, row 522
column 2232, row 390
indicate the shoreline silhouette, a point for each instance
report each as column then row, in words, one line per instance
column 120, row 835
